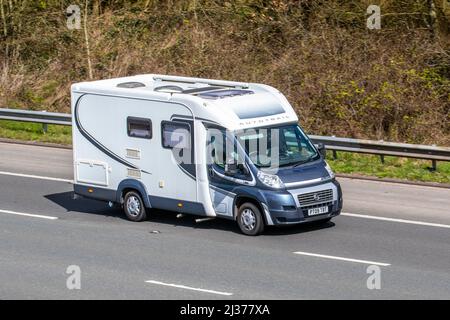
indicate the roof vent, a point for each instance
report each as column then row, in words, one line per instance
column 169, row 89
column 131, row 85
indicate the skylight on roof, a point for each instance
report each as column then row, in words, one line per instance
column 131, row 85
column 219, row 94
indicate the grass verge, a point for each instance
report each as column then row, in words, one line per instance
column 393, row 167
column 34, row 132
column 369, row 165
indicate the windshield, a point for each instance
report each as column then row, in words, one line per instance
column 281, row 146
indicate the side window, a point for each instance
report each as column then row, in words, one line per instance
column 290, row 143
column 176, row 135
column 223, row 150
column 218, row 150
column 139, row 127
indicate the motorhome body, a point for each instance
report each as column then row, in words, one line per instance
column 127, row 133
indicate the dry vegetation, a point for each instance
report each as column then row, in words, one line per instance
column 343, row 79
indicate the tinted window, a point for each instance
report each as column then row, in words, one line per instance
column 176, row 135
column 139, row 127
column 222, row 148
column 277, row 146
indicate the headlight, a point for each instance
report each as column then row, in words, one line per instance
column 328, row 168
column 270, row 180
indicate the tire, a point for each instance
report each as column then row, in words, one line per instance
column 250, row 219
column 134, row 207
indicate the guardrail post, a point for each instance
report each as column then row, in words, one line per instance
column 382, row 158
column 334, row 154
column 433, row 165
column 44, row 125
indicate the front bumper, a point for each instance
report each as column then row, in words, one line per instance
column 298, row 216
column 283, row 209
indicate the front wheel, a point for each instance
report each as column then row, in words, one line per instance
column 250, row 220
column 134, row 207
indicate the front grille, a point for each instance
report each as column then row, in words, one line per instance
column 314, row 198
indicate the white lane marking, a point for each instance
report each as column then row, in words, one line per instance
column 28, row 214
column 342, row 258
column 34, row 176
column 188, row 288
column 421, row 223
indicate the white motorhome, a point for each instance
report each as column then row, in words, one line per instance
column 196, row 146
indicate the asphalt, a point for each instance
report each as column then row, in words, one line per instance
column 117, row 257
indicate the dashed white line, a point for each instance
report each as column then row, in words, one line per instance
column 188, row 288
column 34, row 176
column 420, row 223
column 28, row 215
column 382, row 264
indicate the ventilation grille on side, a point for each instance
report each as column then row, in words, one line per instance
column 133, row 153
column 134, row 173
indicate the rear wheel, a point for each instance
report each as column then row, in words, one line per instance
column 134, row 206
column 250, row 219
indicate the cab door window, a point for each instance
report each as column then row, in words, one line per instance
column 224, row 155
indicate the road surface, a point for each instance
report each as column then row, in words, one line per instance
column 400, row 231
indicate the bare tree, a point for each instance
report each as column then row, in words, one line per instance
column 2, row 12
column 86, row 37
column 432, row 17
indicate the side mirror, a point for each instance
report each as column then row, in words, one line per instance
column 243, row 169
column 231, row 168
column 322, row 150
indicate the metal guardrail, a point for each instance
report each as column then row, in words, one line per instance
column 384, row 148
column 334, row 144
column 36, row 116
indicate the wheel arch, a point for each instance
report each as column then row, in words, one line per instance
column 135, row 185
column 243, row 198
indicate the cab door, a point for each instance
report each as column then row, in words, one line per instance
column 226, row 171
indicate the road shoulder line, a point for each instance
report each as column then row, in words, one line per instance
column 188, row 288
column 32, row 176
column 28, row 215
column 420, row 223
column 382, row 264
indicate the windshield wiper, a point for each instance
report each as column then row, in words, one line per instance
column 304, row 161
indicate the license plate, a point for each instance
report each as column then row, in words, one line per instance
column 316, row 211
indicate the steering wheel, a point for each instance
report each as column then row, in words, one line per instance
column 262, row 157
